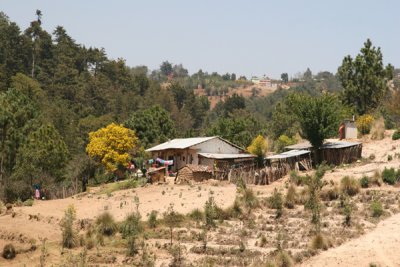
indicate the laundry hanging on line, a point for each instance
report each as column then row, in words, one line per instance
column 165, row 162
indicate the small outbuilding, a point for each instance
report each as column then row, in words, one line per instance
column 334, row 152
column 296, row 159
column 193, row 173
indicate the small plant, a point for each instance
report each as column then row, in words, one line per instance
column 105, row 224
column 196, row 215
column 28, row 202
column 210, row 212
column 9, row 252
column 364, row 182
column 390, row 158
column 372, row 156
column 349, row 186
column 291, row 197
column 172, row 219
column 276, row 202
column 69, row 235
column 319, row 242
column 152, row 221
column 296, row 179
column 347, row 211
column 376, row 208
column 249, row 199
column 263, row 241
column 376, row 178
column 389, row 176
column 396, row 135
column 283, row 259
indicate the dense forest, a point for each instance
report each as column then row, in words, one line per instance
column 54, row 92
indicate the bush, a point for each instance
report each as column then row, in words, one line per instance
column 291, row 197
column 28, row 202
column 376, row 179
column 275, row 202
column 319, row 242
column 9, row 252
column 349, row 185
column 377, row 209
column 105, row 224
column 152, row 221
column 196, row 215
column 378, row 129
column 69, row 235
column 249, row 199
column 283, row 141
column 283, row 259
column 364, row 123
column 364, row 182
column 396, row 135
column 389, row 176
column 296, row 179
column 330, row 193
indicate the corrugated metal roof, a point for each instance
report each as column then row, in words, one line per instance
column 226, row 156
column 289, row 154
column 341, row 144
column 180, row 143
column 331, row 144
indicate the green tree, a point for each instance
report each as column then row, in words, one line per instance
column 364, row 78
column 152, row 125
column 166, row 68
column 284, row 77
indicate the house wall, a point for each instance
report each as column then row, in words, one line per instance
column 350, row 130
column 216, row 145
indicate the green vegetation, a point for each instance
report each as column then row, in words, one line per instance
column 376, row 209
column 364, row 182
column 396, row 135
column 105, row 224
column 9, row 252
column 390, row 176
column 349, row 185
column 69, row 234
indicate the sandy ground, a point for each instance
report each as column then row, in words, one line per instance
column 379, row 246
column 376, row 246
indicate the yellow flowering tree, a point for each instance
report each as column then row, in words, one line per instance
column 111, row 146
column 258, row 147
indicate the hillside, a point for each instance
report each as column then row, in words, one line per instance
column 367, row 240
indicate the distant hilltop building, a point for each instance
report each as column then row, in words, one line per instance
column 263, row 81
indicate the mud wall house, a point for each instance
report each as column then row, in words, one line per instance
column 193, row 173
column 185, row 151
column 157, row 175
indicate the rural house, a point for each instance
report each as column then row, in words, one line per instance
column 207, row 151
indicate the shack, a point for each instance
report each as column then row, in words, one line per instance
column 193, row 173
column 334, row 152
column 296, row 159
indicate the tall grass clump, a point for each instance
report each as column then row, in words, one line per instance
column 130, row 229
column 249, row 200
column 276, row 202
column 105, row 224
column 378, row 129
column 172, row 219
column 349, row 186
column 283, row 259
column 69, row 234
column 390, row 176
column 152, row 221
column 319, row 241
column 291, row 197
column 376, row 209
column 364, row 182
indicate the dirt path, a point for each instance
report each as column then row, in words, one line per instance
column 378, row 246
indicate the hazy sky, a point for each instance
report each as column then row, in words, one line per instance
column 245, row 37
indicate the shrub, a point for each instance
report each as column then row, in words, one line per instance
column 69, row 235
column 152, row 221
column 196, row 215
column 249, row 199
column 283, row 259
column 28, row 202
column 364, row 182
column 364, row 123
column 389, row 176
column 376, row 208
column 275, row 202
column 291, row 197
column 172, row 219
column 210, row 212
column 378, row 129
column 105, row 224
column 319, row 242
column 349, row 185
column 283, row 141
column 376, row 178
column 396, row 135
column 235, row 211
column 330, row 193
column 296, row 179
column 9, row 252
